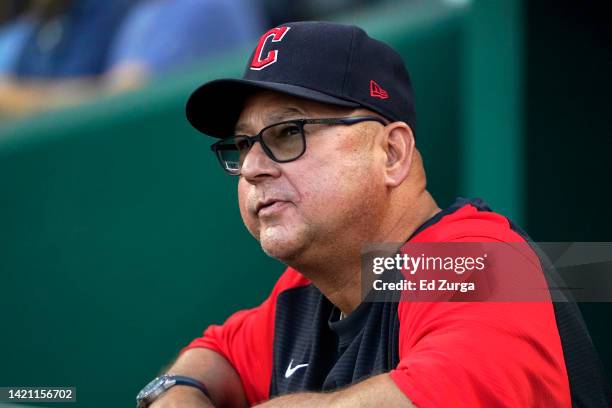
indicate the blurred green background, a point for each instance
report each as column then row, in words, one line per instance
column 120, row 238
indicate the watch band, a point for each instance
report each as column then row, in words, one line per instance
column 182, row 380
column 160, row 385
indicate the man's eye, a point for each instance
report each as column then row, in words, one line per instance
column 290, row 130
column 241, row 144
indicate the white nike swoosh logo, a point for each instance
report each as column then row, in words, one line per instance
column 291, row 370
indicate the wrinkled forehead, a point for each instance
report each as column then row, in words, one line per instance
column 264, row 108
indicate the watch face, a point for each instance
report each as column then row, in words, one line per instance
column 150, row 387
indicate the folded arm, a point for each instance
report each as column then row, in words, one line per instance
column 214, row 371
column 377, row 391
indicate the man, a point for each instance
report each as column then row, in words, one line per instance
column 320, row 133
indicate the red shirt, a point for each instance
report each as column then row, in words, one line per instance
column 444, row 353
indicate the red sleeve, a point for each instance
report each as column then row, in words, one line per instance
column 246, row 340
column 481, row 354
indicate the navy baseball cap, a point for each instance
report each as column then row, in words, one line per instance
column 325, row 62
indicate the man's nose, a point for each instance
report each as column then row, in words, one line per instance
column 257, row 165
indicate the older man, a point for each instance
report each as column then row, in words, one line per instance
column 320, row 133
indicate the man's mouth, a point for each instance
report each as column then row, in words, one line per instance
column 269, row 207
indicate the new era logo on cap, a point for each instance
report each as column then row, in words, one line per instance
column 320, row 61
column 376, row 90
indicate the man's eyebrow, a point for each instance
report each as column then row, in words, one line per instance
column 285, row 114
column 279, row 116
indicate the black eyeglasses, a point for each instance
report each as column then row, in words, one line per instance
column 282, row 142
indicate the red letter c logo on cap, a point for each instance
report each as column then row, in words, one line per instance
column 277, row 35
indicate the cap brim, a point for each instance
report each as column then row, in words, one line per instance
column 214, row 107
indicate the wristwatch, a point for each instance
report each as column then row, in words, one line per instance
column 163, row 383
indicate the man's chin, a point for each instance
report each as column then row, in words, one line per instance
column 285, row 249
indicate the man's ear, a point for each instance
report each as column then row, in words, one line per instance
column 399, row 148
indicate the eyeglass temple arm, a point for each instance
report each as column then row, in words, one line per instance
column 345, row 121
